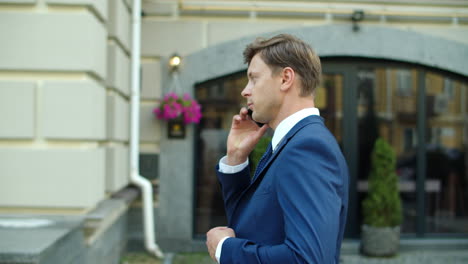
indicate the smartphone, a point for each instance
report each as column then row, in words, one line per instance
column 250, row 114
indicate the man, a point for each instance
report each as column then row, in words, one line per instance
column 293, row 210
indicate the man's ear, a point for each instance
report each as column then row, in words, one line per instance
column 287, row 78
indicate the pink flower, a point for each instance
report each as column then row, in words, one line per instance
column 187, row 97
column 170, row 96
column 174, row 106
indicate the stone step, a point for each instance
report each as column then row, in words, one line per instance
column 99, row 236
column 60, row 242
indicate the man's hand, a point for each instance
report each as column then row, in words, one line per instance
column 243, row 137
column 214, row 236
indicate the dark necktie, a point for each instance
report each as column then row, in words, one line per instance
column 264, row 160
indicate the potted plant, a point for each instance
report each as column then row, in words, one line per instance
column 382, row 207
column 178, row 111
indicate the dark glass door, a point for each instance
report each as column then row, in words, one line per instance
column 423, row 115
column 377, row 101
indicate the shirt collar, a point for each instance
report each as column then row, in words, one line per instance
column 288, row 123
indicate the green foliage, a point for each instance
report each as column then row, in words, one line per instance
column 382, row 206
column 257, row 153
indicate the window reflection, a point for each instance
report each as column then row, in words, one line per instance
column 328, row 99
column 387, row 103
column 387, row 107
column 446, row 153
column 220, row 99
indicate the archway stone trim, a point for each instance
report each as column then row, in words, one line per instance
column 377, row 42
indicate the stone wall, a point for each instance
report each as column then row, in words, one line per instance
column 64, row 102
column 100, row 236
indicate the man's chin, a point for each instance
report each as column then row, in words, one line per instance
column 258, row 119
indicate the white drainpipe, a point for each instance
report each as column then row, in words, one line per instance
column 135, row 177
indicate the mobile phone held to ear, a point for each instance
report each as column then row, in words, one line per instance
column 250, row 115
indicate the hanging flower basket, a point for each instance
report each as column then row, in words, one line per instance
column 179, row 107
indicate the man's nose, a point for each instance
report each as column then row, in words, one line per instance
column 246, row 91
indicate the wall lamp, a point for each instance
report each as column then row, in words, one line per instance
column 357, row 16
column 174, row 62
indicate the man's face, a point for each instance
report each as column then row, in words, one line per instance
column 262, row 91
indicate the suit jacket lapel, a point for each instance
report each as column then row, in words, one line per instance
column 283, row 142
column 279, row 148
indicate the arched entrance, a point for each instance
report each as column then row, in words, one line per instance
column 371, row 50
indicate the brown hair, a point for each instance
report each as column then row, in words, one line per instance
column 286, row 50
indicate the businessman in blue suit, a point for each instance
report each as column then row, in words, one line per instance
column 293, row 210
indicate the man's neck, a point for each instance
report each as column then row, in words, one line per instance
column 291, row 107
column 287, row 124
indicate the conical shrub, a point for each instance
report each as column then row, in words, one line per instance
column 382, row 206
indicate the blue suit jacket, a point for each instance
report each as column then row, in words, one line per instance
column 294, row 211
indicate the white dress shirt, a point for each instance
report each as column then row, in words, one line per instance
column 281, row 131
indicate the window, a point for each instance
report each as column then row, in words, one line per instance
column 220, row 99
column 446, row 154
column 404, row 83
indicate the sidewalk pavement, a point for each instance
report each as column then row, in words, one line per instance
column 428, row 256
column 412, row 257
